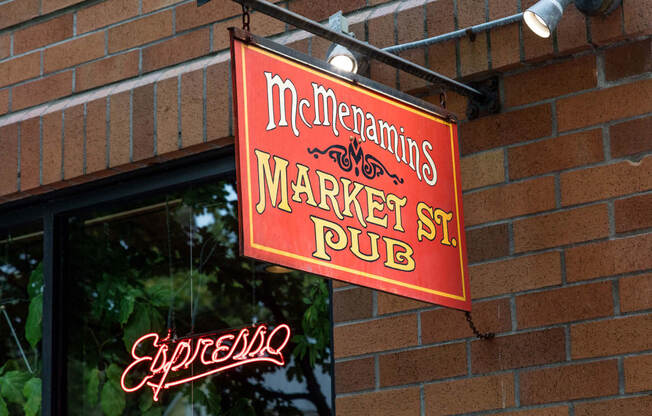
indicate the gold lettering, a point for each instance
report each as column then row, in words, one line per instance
column 373, row 205
column 302, row 186
column 405, row 261
column 425, row 221
column 350, row 197
column 265, row 178
column 330, row 193
column 355, row 245
column 324, row 237
column 395, row 204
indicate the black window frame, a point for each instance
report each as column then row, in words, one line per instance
column 53, row 210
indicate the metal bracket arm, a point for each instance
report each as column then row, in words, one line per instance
column 366, row 49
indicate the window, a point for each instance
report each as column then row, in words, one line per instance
column 170, row 262
column 21, row 312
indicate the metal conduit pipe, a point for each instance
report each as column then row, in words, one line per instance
column 456, row 34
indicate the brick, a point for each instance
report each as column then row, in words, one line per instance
column 119, row 127
column 105, row 13
column 388, row 303
column 402, row 402
column 627, row 60
column 354, row 375
column 447, row 324
column 606, row 29
column 167, row 116
column 517, row 351
column 189, row 15
column 439, row 17
column 571, row 32
column 382, row 73
column 441, row 59
column 502, row 8
column 73, row 52
column 535, row 48
column 635, row 293
column 569, row 382
column 179, row 49
column 141, row 31
column 30, row 149
column 152, row 5
column 410, row 24
column 556, row 154
column 616, row 336
column 424, row 364
column 561, row 228
column 482, row 169
column 20, row 69
column 633, row 213
column 408, row 82
column 566, row 304
column 266, row 25
column 352, row 304
column 470, row 12
column 511, row 200
column 638, row 16
column 505, row 52
column 192, row 108
column 52, row 147
column 8, row 159
column 96, row 135
column 601, row 106
column 546, row 411
column 36, row 36
column 15, row 12
column 455, row 103
column 631, row 137
column 41, row 90
column 551, row 81
column 4, row 101
column 5, row 45
column 50, row 6
column 479, row 393
column 107, row 71
column 73, row 142
column 487, row 243
column 374, row 336
column 506, row 128
column 637, row 374
column 143, row 122
column 474, row 55
column 607, row 181
column 322, row 10
column 634, row 406
column 515, row 275
column 381, row 30
column 609, row 257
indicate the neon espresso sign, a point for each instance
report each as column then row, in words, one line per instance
column 165, row 362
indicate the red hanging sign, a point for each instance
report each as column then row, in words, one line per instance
column 339, row 179
column 166, row 360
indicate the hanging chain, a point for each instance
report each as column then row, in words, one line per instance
column 486, row 335
column 245, row 17
column 442, row 99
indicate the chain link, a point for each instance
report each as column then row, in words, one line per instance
column 245, row 18
column 487, row 335
column 442, row 99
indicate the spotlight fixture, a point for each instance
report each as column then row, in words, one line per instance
column 342, row 58
column 338, row 55
column 543, row 17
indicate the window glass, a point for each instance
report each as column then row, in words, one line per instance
column 170, row 265
column 21, row 312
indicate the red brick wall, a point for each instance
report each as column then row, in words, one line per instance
column 558, row 186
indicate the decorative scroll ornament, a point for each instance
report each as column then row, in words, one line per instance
column 345, row 157
column 164, row 361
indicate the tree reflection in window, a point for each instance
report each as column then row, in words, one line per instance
column 21, row 313
column 172, row 262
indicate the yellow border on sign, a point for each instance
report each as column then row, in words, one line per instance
column 321, row 262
